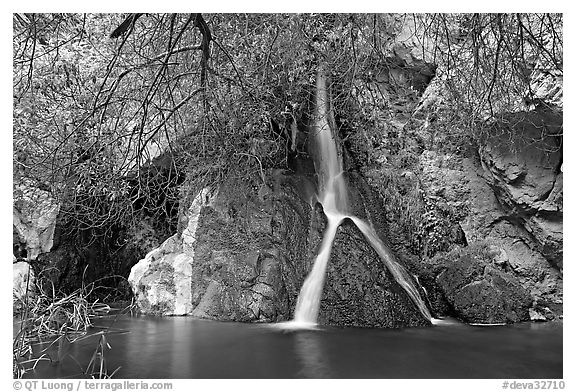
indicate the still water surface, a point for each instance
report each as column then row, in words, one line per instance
column 184, row 347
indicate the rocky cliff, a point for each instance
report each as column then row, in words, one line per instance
column 479, row 223
column 478, row 220
column 245, row 252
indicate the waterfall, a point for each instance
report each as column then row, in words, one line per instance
column 309, row 299
column 334, row 199
column 398, row 271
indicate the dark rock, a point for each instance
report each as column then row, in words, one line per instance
column 434, row 296
column 359, row 289
column 61, row 266
column 478, row 290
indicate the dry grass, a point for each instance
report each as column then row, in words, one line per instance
column 50, row 316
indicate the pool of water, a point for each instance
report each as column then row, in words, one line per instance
column 184, row 347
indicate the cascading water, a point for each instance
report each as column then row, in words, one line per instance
column 398, row 271
column 334, row 199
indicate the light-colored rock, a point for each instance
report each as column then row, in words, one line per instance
column 536, row 316
column 34, row 217
column 547, row 85
column 23, row 279
column 522, row 166
column 189, row 232
column 408, row 44
column 161, row 282
column 499, row 256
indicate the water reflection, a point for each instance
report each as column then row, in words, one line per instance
column 309, row 348
column 142, row 341
column 170, row 341
column 181, row 347
column 180, row 359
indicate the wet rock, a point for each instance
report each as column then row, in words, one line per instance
column 34, row 218
column 433, row 294
column 248, row 254
column 478, row 290
column 360, row 291
column 232, row 259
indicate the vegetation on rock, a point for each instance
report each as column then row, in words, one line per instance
column 125, row 118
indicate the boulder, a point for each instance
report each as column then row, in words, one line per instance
column 479, row 288
column 230, row 261
column 536, row 316
column 359, row 290
column 251, row 252
column 22, row 280
column 161, row 282
column 34, row 218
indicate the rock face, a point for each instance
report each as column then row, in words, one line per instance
column 482, row 229
column 34, row 218
column 510, row 196
column 249, row 255
column 443, row 190
column 475, row 281
column 524, row 170
column 477, row 197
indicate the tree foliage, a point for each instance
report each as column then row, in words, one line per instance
column 97, row 97
column 488, row 61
